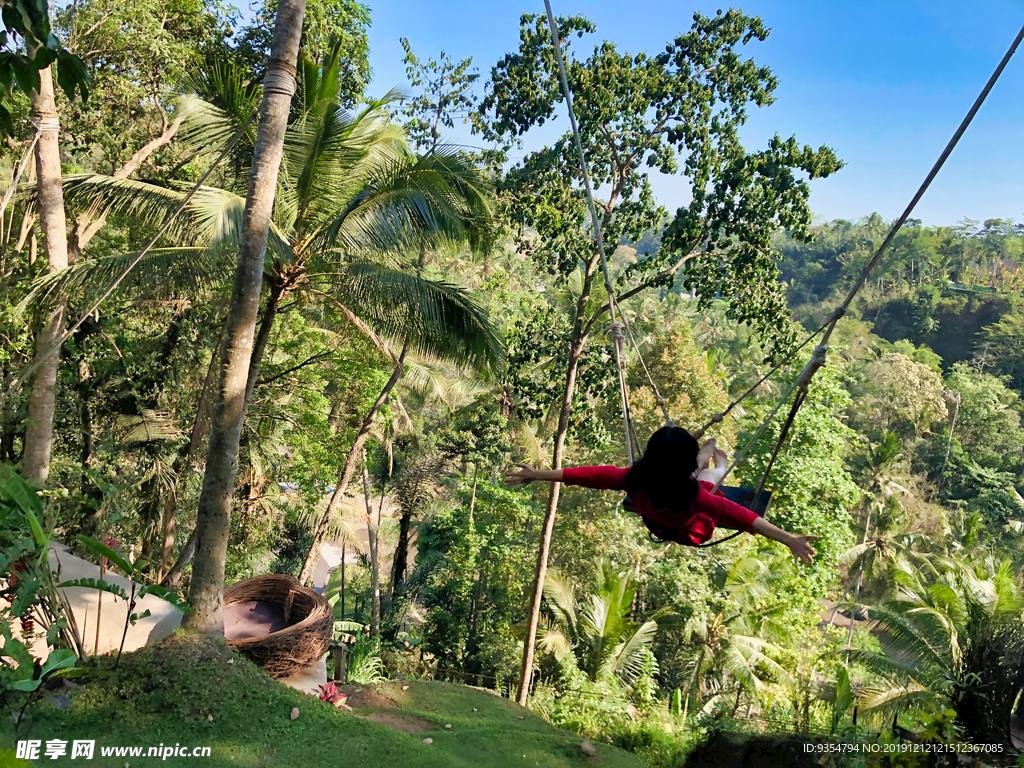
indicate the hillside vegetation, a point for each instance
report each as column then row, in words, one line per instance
column 238, row 323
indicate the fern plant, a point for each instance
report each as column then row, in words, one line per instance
column 365, row 665
column 597, row 629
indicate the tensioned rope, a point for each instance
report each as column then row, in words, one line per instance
column 616, row 326
column 829, row 326
column 820, row 351
column 818, row 358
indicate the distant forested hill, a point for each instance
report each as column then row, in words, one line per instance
column 955, row 289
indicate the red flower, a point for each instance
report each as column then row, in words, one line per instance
column 330, row 693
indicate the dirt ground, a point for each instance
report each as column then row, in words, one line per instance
column 405, row 723
column 360, row 698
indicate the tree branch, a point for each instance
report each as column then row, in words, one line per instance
column 282, row 374
column 641, row 287
column 98, row 24
column 92, row 220
column 147, row 149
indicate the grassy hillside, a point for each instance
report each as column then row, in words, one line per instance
column 191, row 691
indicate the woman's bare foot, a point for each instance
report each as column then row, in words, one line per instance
column 721, row 460
column 706, row 452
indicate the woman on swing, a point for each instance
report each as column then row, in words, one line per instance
column 671, row 486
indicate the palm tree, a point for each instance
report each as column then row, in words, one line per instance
column 413, row 487
column 877, row 556
column 951, row 637
column 887, row 547
column 726, row 644
column 206, row 588
column 35, row 463
column 352, row 197
column 598, row 629
column 879, row 485
column 373, row 534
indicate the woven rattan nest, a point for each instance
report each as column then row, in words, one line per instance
column 310, row 624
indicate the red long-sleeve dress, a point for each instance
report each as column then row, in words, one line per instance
column 696, row 524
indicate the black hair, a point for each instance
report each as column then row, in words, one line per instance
column 665, row 471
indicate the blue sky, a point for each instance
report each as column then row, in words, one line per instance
column 883, row 83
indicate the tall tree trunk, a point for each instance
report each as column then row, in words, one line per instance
column 371, row 534
column 349, row 469
column 344, row 554
column 181, row 468
column 259, row 348
column 398, row 567
column 478, row 581
column 856, row 590
column 579, row 340
column 91, row 496
column 35, row 463
column 85, row 417
column 7, row 425
column 472, row 499
column 206, row 590
column 832, row 618
column 853, row 612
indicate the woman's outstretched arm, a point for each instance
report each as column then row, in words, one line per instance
column 602, row 478
column 800, row 546
column 528, row 474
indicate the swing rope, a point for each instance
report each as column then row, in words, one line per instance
column 829, row 326
column 818, row 358
column 654, row 386
column 620, row 363
column 632, row 441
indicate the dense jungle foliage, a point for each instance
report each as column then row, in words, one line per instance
column 429, row 317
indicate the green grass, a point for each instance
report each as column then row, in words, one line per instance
column 168, row 693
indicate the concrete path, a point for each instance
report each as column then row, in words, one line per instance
column 92, row 607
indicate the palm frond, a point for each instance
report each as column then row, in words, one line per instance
column 739, row 667
column 430, row 383
column 339, row 529
column 194, row 271
column 854, row 557
column 627, row 660
column 329, row 155
column 218, row 100
column 554, row 642
column 695, row 669
column 561, row 597
column 146, row 427
column 910, row 638
column 747, row 580
column 408, row 202
column 212, row 218
column 530, row 443
column 438, row 319
column 403, row 415
column 878, row 664
column 599, row 624
column 752, row 649
column 881, row 702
